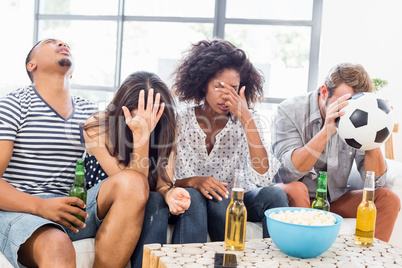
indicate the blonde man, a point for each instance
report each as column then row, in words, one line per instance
column 305, row 142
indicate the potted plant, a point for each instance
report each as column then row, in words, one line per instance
column 379, row 84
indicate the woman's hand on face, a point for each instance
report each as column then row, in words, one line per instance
column 179, row 201
column 210, row 187
column 144, row 120
column 237, row 103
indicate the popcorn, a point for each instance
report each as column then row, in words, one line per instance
column 305, row 217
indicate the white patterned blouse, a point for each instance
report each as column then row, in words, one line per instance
column 230, row 152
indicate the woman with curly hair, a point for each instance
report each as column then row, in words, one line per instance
column 219, row 133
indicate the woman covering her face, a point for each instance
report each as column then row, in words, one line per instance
column 218, row 133
column 137, row 132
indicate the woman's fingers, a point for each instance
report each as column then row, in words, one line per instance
column 185, row 194
column 210, row 187
column 184, row 204
column 221, row 189
column 141, row 101
column 229, row 87
column 150, row 99
column 217, row 192
column 179, row 201
column 127, row 114
column 173, row 207
column 214, row 194
column 156, row 103
column 177, row 206
column 160, row 112
column 241, row 93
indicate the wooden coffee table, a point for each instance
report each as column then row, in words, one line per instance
column 263, row 253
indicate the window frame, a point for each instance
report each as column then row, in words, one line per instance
column 219, row 22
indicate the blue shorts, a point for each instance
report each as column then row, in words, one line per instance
column 16, row 228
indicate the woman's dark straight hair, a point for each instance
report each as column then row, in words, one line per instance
column 119, row 136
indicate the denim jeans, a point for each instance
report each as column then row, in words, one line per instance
column 154, row 228
column 191, row 226
column 257, row 201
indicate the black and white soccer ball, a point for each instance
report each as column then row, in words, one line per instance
column 367, row 123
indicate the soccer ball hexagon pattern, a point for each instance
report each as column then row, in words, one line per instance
column 367, row 123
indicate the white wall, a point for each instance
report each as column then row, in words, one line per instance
column 16, row 32
column 368, row 32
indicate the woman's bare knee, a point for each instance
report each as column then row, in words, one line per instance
column 128, row 186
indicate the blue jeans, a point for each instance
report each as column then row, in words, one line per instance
column 191, row 226
column 154, row 228
column 257, row 201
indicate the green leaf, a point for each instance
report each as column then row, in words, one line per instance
column 379, row 83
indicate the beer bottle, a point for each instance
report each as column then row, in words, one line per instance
column 320, row 201
column 366, row 213
column 236, row 219
column 78, row 189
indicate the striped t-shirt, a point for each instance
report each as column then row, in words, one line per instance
column 46, row 145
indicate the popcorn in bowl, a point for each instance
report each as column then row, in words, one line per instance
column 302, row 232
column 304, row 217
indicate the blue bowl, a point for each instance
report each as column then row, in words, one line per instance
column 302, row 241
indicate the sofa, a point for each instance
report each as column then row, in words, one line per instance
column 85, row 248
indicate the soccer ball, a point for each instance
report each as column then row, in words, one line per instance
column 367, row 123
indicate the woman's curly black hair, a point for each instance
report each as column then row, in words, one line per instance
column 207, row 59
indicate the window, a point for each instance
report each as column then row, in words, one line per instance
column 111, row 39
column 16, row 20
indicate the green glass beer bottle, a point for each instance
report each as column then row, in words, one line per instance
column 78, row 189
column 320, row 201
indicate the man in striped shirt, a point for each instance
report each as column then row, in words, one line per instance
column 40, row 140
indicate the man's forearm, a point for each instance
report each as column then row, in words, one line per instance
column 304, row 158
column 14, row 200
column 374, row 161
